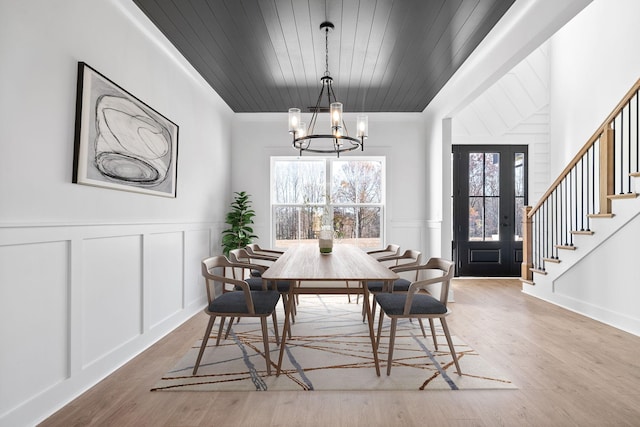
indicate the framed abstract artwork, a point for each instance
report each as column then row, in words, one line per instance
column 121, row 142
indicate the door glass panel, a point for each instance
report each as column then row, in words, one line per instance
column 476, row 218
column 476, row 174
column 518, row 218
column 492, row 218
column 492, row 174
column 484, row 196
column 518, row 181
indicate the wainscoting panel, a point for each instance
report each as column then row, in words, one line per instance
column 196, row 247
column 163, row 266
column 91, row 297
column 111, row 294
column 34, row 299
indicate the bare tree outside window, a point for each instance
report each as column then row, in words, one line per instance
column 347, row 194
column 484, row 196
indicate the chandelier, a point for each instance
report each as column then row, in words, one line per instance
column 338, row 141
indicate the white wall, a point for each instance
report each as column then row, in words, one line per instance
column 397, row 136
column 89, row 277
column 594, row 62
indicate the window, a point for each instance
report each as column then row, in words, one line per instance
column 347, row 194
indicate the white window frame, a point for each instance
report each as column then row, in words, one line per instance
column 329, row 162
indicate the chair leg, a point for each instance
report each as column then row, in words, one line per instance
column 231, row 320
column 433, row 333
column 424, row 333
column 373, row 308
column 392, row 342
column 448, row 336
column 265, row 340
column 380, row 319
column 207, row 332
column 220, row 329
column 275, row 327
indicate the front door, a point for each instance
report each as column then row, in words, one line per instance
column 490, row 190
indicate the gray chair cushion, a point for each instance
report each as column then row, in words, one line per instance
column 393, row 304
column 400, row 285
column 264, row 302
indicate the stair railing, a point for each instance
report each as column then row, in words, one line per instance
column 601, row 171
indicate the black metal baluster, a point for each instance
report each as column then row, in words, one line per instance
column 584, row 193
column 555, row 222
column 629, row 145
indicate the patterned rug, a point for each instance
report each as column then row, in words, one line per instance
column 330, row 349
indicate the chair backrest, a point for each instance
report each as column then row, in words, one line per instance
column 209, row 266
column 223, row 265
column 409, row 258
column 390, row 250
column 256, row 251
column 441, row 272
column 239, row 256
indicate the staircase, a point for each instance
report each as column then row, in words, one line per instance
column 579, row 240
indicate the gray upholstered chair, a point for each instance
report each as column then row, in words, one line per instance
column 390, row 250
column 235, row 299
column 408, row 258
column 253, row 275
column 418, row 303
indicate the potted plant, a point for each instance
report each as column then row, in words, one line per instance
column 239, row 234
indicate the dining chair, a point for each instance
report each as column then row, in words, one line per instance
column 230, row 302
column 418, row 303
column 255, row 249
column 408, row 258
column 253, row 275
column 390, row 250
column 258, row 253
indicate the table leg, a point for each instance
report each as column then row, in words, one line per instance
column 286, row 326
column 370, row 321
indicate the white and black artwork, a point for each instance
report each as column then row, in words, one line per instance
column 120, row 142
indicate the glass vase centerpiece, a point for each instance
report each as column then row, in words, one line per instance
column 325, row 239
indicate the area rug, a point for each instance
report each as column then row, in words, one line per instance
column 330, row 349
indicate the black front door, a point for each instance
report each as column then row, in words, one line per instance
column 490, row 190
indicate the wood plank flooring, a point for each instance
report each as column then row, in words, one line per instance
column 569, row 370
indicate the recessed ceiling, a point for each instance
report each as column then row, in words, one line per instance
column 268, row 56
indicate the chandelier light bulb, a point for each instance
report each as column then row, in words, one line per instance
column 294, row 119
column 363, row 126
column 336, row 115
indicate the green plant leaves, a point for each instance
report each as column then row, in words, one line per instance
column 239, row 234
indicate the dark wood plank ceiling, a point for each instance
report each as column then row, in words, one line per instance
column 269, row 55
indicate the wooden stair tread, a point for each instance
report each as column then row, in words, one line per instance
column 635, row 174
column 553, row 260
column 599, row 215
column 528, row 282
column 535, row 270
column 622, row 196
column 566, row 247
column 583, row 232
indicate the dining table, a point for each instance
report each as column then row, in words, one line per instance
column 318, row 273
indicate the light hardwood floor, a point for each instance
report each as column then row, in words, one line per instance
column 569, row 370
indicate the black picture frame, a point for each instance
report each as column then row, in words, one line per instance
column 121, row 142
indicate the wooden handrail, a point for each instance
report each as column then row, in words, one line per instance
column 596, row 135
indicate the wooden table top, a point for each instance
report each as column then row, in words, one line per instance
column 346, row 262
